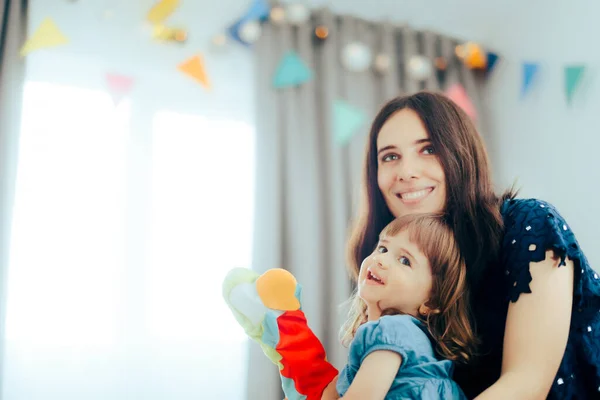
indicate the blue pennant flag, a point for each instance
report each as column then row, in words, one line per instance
column 573, row 75
column 529, row 72
column 492, row 58
column 347, row 119
column 258, row 11
column 292, row 71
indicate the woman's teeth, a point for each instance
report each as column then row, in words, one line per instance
column 415, row 195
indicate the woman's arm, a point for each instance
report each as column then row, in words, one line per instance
column 536, row 333
column 373, row 379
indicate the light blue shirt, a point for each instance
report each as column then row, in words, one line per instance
column 421, row 375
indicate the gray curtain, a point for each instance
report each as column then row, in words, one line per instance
column 307, row 186
column 13, row 30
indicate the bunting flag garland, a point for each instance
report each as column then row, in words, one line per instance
column 573, row 75
column 347, row 119
column 292, row 71
column 529, row 72
column 47, row 35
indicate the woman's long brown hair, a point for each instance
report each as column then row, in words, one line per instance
column 448, row 317
column 472, row 207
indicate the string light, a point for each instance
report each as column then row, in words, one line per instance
column 441, row 63
column 321, row 32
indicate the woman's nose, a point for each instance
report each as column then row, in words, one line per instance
column 407, row 169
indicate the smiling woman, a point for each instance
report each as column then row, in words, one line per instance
column 405, row 152
column 534, row 296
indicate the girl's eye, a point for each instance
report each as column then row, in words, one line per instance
column 381, row 249
column 428, row 150
column 405, row 261
column 389, row 157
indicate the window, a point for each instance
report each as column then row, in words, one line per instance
column 120, row 243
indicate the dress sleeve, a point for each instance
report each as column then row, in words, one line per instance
column 531, row 228
column 397, row 333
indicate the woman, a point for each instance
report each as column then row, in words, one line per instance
column 535, row 300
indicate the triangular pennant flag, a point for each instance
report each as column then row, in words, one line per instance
column 47, row 35
column 258, row 11
column 292, row 71
column 492, row 58
column 234, row 32
column 119, row 86
column 347, row 119
column 459, row 95
column 194, row 67
column 529, row 72
column 161, row 11
column 573, row 75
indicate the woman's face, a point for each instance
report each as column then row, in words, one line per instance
column 409, row 173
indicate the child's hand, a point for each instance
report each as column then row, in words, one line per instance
column 268, row 307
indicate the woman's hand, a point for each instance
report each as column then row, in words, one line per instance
column 536, row 333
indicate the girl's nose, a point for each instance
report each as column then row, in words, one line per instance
column 381, row 264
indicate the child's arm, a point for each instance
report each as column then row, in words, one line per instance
column 373, row 379
column 330, row 392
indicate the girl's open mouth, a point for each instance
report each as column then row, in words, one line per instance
column 373, row 279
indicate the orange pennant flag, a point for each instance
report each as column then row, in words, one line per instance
column 194, row 68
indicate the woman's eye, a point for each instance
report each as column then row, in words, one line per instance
column 389, row 157
column 404, row 260
column 429, row 150
column 381, row 249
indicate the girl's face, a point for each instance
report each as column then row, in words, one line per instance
column 397, row 275
column 409, row 173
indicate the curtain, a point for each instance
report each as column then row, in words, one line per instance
column 307, row 185
column 13, row 29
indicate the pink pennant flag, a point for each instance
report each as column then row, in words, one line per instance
column 119, row 86
column 459, row 95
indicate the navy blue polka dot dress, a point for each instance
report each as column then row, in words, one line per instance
column 532, row 227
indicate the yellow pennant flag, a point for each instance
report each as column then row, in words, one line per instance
column 161, row 11
column 46, row 35
column 194, row 67
column 167, row 34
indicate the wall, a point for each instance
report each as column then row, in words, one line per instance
column 545, row 143
column 550, row 148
